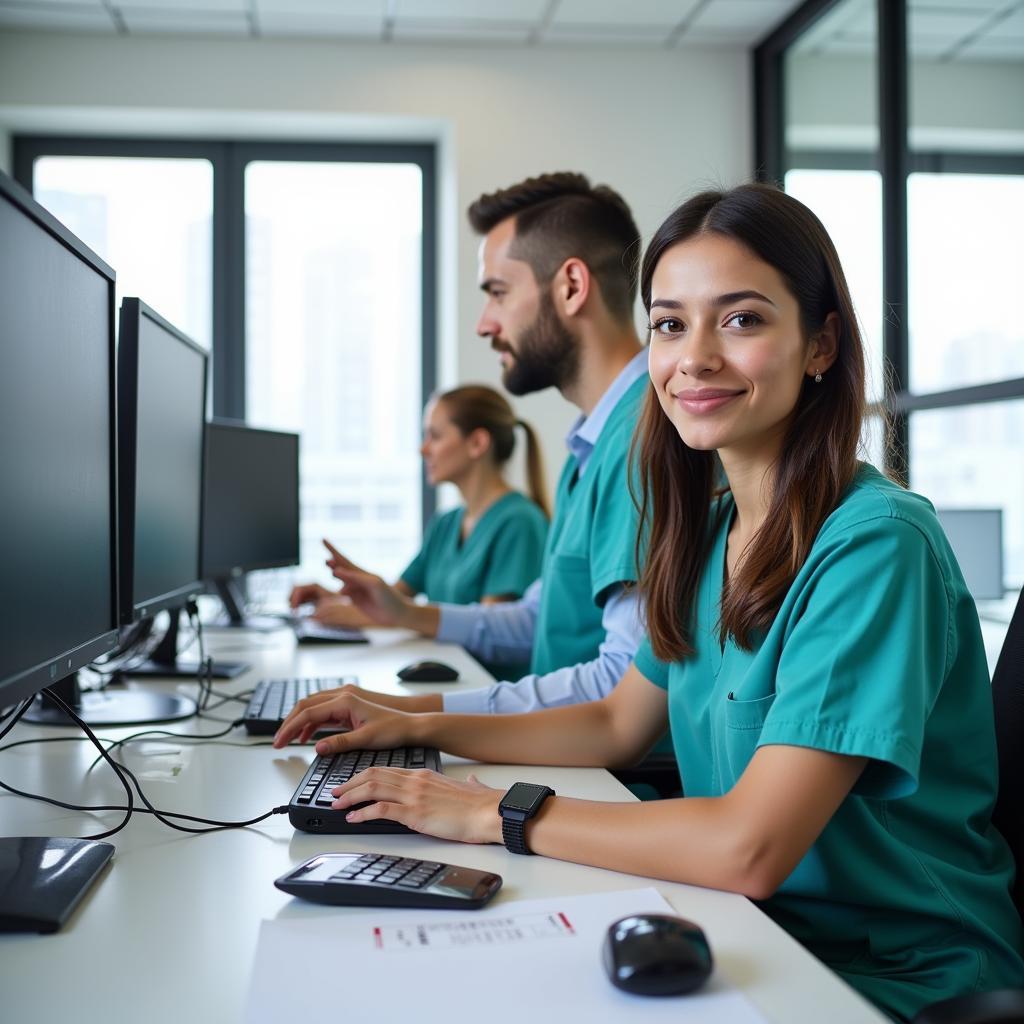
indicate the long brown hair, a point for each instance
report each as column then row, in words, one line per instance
column 478, row 407
column 677, row 484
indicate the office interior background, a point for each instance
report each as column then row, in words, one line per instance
column 286, row 181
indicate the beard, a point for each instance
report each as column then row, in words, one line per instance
column 547, row 354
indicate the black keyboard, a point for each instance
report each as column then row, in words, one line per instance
column 273, row 700
column 309, row 631
column 310, row 808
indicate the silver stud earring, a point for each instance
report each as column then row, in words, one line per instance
column 817, row 377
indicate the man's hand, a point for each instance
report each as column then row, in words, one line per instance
column 310, row 593
column 340, row 611
column 380, row 602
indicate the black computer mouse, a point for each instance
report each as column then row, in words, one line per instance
column 657, row 955
column 428, row 672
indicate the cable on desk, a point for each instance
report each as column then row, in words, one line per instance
column 167, row 732
column 128, row 808
column 121, row 771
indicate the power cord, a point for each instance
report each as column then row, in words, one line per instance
column 125, row 774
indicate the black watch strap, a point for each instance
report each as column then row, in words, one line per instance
column 513, row 835
column 517, row 807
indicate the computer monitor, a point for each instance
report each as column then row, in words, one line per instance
column 58, row 517
column 162, row 378
column 976, row 536
column 250, row 511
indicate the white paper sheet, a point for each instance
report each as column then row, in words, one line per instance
column 510, row 963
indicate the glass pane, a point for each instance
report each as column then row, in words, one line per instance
column 849, row 204
column 150, row 219
column 966, row 263
column 831, row 145
column 334, row 347
column 872, row 442
column 969, row 458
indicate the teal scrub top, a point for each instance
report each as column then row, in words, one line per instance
column 501, row 556
column 590, row 547
column 875, row 652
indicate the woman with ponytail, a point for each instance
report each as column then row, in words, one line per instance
column 487, row 550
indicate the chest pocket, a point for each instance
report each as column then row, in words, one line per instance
column 744, row 720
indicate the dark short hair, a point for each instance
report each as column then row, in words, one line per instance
column 560, row 216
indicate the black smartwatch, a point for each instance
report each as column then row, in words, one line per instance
column 517, row 807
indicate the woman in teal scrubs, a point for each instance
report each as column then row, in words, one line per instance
column 490, row 548
column 811, row 643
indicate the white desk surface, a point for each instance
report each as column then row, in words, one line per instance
column 170, row 931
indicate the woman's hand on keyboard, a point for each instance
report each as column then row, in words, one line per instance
column 425, row 802
column 371, row 726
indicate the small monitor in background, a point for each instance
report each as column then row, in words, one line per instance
column 251, row 511
column 976, row 536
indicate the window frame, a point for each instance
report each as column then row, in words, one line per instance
column 896, row 162
column 229, row 159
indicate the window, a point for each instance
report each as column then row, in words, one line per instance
column 923, row 97
column 308, row 270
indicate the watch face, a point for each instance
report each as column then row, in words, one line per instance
column 524, row 796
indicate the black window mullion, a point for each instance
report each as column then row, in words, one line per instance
column 892, row 123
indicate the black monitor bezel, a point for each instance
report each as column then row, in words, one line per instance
column 233, row 571
column 132, row 309
column 30, row 681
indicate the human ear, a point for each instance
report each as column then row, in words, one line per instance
column 478, row 442
column 572, row 286
column 824, row 347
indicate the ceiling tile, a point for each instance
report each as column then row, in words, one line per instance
column 966, row 6
column 439, row 31
column 95, row 5
column 65, row 20
column 993, row 47
column 300, row 24
column 332, row 8
column 198, row 9
column 517, row 11
column 606, row 35
column 190, row 23
column 755, row 15
column 636, row 13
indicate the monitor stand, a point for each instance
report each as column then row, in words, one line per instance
column 233, row 596
column 165, row 663
column 111, row 706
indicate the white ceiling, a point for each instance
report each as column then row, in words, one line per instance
column 656, row 23
column 946, row 30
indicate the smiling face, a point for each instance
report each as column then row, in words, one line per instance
column 728, row 356
column 536, row 349
column 448, row 454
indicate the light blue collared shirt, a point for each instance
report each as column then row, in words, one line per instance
column 504, row 632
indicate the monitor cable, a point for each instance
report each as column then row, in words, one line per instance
column 125, row 774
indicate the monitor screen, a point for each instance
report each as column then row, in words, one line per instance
column 58, row 515
column 162, row 410
column 976, row 537
column 251, row 514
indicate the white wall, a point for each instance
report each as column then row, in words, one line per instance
column 653, row 124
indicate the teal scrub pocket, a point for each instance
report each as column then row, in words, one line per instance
column 744, row 720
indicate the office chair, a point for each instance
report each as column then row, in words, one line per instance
column 1005, row 1006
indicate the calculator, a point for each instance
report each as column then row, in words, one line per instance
column 379, row 880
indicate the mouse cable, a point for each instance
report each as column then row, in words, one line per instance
column 128, row 809
column 183, row 736
column 121, row 771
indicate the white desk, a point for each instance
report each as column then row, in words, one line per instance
column 169, row 933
